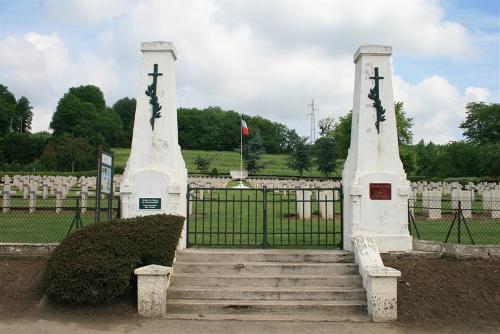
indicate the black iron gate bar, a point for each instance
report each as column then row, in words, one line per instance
column 253, row 218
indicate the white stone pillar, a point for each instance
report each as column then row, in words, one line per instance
column 434, row 204
column 466, row 203
column 155, row 177
column 376, row 189
column 32, row 197
column 326, row 204
column 59, row 201
column 486, row 199
column 152, row 285
column 6, row 198
column 303, row 198
column 495, row 204
column 85, row 198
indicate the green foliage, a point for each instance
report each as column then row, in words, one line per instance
column 23, row 148
column 408, row 158
column 125, row 108
column 96, row 264
column 482, row 123
column 21, row 122
column 252, row 154
column 74, row 152
column 342, row 135
column 325, row 155
column 7, row 109
column 403, row 124
column 82, row 112
column 48, row 159
column 215, row 129
column 202, row 163
column 300, row 158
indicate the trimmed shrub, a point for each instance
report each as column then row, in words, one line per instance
column 96, row 264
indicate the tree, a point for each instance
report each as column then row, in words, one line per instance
column 125, row 109
column 73, row 151
column 342, row 135
column 252, row 153
column 300, row 158
column 7, row 109
column 23, row 148
column 202, row 163
column 326, row 126
column 482, row 123
column 403, row 124
column 23, row 116
column 325, row 155
column 82, row 113
column 48, row 159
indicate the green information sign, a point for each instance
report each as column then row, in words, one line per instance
column 149, row 203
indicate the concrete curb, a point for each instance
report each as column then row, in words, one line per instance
column 22, row 249
column 458, row 251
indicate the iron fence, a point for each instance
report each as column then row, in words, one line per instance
column 278, row 217
column 462, row 221
column 48, row 220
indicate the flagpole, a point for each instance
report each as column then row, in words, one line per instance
column 241, row 150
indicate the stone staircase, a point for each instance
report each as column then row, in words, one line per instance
column 247, row 284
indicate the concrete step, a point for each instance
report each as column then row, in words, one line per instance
column 348, row 317
column 266, row 268
column 297, row 281
column 263, row 255
column 269, row 307
column 263, row 293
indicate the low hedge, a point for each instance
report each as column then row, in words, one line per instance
column 96, row 264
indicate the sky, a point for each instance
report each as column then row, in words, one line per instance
column 267, row 58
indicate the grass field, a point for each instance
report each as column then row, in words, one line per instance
column 224, row 161
column 227, row 218
column 237, row 218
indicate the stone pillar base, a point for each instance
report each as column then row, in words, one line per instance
column 152, row 284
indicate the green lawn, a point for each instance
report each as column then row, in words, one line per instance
column 224, row 161
column 235, row 218
column 231, row 217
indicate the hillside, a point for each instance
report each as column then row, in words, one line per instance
column 224, row 161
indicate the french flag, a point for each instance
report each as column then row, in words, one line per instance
column 244, row 128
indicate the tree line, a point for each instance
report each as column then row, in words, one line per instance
column 478, row 155
column 82, row 120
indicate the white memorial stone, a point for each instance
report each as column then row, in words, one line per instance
column 326, row 204
column 155, row 178
column 373, row 158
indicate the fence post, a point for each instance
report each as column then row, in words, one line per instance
column 459, row 219
column 188, row 204
column 341, row 243
column 264, row 218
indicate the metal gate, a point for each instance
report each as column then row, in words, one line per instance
column 278, row 218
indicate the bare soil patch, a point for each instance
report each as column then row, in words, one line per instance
column 447, row 291
column 22, row 296
column 444, row 293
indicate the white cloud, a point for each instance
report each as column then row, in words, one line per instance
column 265, row 59
column 436, row 105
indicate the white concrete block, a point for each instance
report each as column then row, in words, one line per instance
column 152, row 284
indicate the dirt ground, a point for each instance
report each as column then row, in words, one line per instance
column 447, row 291
column 434, row 295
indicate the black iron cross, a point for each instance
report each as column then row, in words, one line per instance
column 155, row 75
column 376, row 78
column 374, row 95
column 153, row 99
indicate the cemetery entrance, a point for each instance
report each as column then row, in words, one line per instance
column 265, row 218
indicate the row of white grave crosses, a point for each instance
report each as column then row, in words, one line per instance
column 432, row 202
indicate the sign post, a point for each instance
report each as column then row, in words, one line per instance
column 104, row 184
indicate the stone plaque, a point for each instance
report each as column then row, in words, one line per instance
column 149, row 203
column 380, row 191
